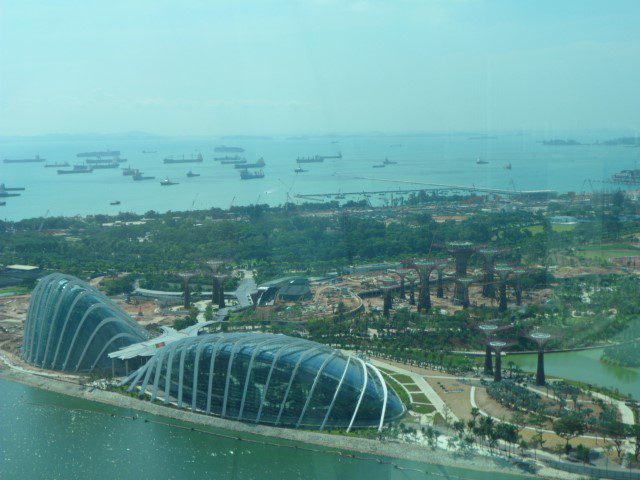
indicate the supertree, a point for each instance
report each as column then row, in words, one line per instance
column 517, row 274
column 442, row 264
column 489, row 255
column 503, row 272
column 214, row 266
column 541, row 339
column 387, row 301
column 462, row 291
column 498, row 347
column 186, row 293
column 424, row 269
column 461, row 251
column 403, row 273
column 221, row 278
column 489, row 331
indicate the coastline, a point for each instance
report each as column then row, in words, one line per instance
column 402, row 451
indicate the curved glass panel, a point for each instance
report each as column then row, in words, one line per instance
column 269, row 379
column 72, row 327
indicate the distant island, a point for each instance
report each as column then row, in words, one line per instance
column 624, row 141
column 560, row 142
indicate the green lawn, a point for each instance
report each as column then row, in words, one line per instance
column 422, row 408
column 601, row 253
column 535, row 229
column 420, row 398
column 14, row 290
column 402, row 378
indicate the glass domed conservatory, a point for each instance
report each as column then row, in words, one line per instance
column 252, row 377
column 72, row 327
column 268, row 379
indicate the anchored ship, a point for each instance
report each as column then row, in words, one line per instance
column 166, row 182
column 479, row 161
column 76, row 169
column 247, row 175
column 225, row 149
column 106, row 153
column 259, row 164
column 37, row 159
column 300, row 170
column 140, row 177
column 190, row 174
column 234, row 161
column 101, row 166
column 128, row 171
column 196, row 159
column 52, row 165
column 389, row 162
column 316, row 159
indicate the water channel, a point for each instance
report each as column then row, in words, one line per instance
column 44, row 435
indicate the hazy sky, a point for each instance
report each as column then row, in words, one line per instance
column 316, row 66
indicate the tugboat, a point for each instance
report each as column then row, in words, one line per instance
column 300, row 170
column 190, row 174
column 117, row 202
column 76, row 169
column 247, row 175
column 166, row 182
column 389, row 162
column 52, row 165
column 138, row 177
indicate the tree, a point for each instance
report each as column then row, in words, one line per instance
column 569, row 427
column 583, row 453
column 617, row 431
column 634, row 431
column 208, row 313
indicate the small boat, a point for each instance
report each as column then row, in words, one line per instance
column 190, row 174
column 166, row 182
column 247, row 175
column 2, row 204
column 117, row 202
column 139, row 177
column 479, row 161
column 389, row 162
column 507, row 166
column 300, row 170
column 76, row 169
column 53, row 165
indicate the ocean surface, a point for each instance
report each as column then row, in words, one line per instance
column 440, row 159
column 46, row 435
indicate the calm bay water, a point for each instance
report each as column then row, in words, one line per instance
column 40, row 441
column 435, row 159
column 584, row 366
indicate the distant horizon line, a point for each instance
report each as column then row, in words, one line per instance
column 134, row 134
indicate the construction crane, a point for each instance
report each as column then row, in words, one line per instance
column 42, row 222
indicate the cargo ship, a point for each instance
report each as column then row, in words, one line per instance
column 4, row 192
column 227, row 157
column 235, row 161
column 259, row 164
column 225, row 149
column 128, row 171
column 102, row 161
column 105, row 153
column 101, row 166
column 11, row 189
column 52, row 165
column 316, row 159
column 37, row 159
column 140, row 177
column 247, row 175
column 166, row 182
column 196, row 159
column 76, row 169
